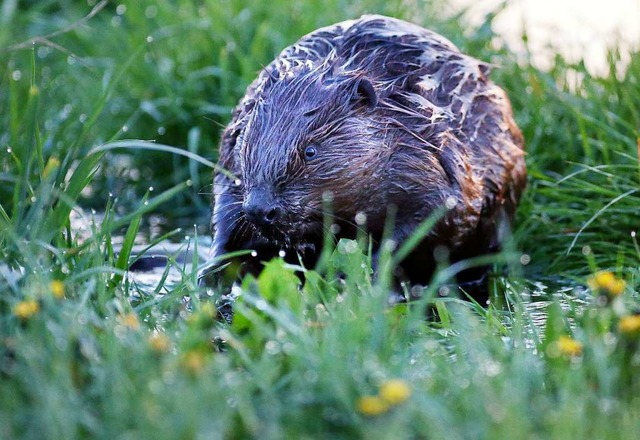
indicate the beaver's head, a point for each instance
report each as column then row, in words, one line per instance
column 310, row 137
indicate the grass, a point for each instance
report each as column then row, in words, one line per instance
column 86, row 116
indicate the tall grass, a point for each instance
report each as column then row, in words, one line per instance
column 86, row 118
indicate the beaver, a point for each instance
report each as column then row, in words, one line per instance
column 374, row 115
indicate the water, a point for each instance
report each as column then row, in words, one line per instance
column 577, row 29
column 166, row 263
column 155, row 266
column 540, row 294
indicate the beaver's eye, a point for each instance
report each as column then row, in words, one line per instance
column 310, row 152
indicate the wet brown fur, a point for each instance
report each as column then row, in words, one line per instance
column 399, row 118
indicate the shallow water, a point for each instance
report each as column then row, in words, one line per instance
column 152, row 275
column 167, row 263
column 538, row 295
column 577, row 29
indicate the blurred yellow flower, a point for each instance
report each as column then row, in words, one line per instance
column 208, row 310
column 159, row 342
column 606, row 283
column 395, row 391
column 204, row 317
column 372, row 405
column 569, row 346
column 57, row 289
column 129, row 320
column 193, row 361
column 52, row 164
column 629, row 324
column 26, row 309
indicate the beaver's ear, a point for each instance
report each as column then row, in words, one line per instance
column 365, row 94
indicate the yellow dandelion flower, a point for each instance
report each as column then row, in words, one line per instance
column 159, row 342
column 129, row 320
column 57, row 289
column 629, row 324
column 193, row 361
column 395, row 391
column 26, row 309
column 569, row 346
column 372, row 406
column 606, row 283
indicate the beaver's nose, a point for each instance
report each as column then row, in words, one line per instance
column 260, row 209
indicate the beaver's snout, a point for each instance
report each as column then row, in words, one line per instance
column 261, row 209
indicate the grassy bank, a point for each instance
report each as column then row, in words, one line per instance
column 81, row 358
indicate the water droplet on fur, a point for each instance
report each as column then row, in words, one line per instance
column 282, row 253
column 327, row 196
column 450, row 202
column 254, row 254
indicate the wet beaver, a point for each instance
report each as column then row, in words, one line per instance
column 374, row 113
